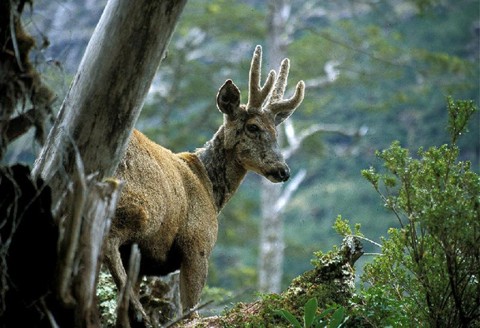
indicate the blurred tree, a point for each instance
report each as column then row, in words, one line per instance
column 275, row 197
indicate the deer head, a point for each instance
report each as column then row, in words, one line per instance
column 250, row 130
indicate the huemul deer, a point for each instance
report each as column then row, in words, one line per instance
column 170, row 202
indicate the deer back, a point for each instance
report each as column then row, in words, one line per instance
column 161, row 190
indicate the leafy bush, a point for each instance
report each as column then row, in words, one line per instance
column 333, row 317
column 427, row 274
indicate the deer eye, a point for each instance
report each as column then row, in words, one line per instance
column 252, row 128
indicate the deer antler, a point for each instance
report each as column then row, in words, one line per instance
column 282, row 108
column 256, row 93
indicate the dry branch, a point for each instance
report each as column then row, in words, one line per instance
column 20, row 83
column 127, row 292
column 91, row 205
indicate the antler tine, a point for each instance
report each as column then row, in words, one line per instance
column 276, row 103
column 291, row 103
column 281, row 82
column 257, row 93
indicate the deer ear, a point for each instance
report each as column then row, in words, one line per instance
column 228, row 98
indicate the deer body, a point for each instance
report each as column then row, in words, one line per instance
column 170, row 202
column 166, row 207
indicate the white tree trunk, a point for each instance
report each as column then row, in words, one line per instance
column 271, row 252
column 275, row 197
column 105, row 98
column 270, row 266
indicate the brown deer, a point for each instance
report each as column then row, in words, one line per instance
column 170, row 202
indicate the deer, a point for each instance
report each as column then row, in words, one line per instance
column 170, row 202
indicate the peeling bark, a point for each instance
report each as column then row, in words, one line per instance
column 107, row 94
column 62, row 250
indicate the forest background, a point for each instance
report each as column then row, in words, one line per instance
column 382, row 68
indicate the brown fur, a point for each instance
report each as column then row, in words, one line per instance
column 170, row 202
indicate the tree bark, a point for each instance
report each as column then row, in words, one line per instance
column 88, row 140
column 105, row 98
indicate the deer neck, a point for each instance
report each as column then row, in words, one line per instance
column 223, row 170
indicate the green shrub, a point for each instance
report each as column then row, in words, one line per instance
column 428, row 273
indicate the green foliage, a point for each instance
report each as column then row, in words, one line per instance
column 459, row 113
column 333, row 317
column 428, row 271
column 107, row 299
column 329, row 285
column 216, row 294
column 342, row 227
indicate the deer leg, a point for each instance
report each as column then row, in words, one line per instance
column 193, row 276
column 114, row 262
column 117, row 270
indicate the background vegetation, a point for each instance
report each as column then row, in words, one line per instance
column 386, row 66
column 427, row 273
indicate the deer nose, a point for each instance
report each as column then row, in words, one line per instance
column 284, row 173
column 281, row 174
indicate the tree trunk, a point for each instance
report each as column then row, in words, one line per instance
column 105, row 98
column 88, row 140
column 270, row 265
column 271, row 240
column 274, row 197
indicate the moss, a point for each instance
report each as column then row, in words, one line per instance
column 331, row 281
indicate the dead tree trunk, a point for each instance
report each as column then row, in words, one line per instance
column 105, row 98
column 89, row 137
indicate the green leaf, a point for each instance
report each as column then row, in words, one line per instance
column 342, row 226
column 325, row 313
column 459, row 113
column 289, row 317
column 337, row 318
column 309, row 315
column 371, row 176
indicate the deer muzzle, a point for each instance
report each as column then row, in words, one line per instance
column 279, row 174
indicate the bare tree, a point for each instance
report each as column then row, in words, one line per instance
column 281, row 24
column 83, row 149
